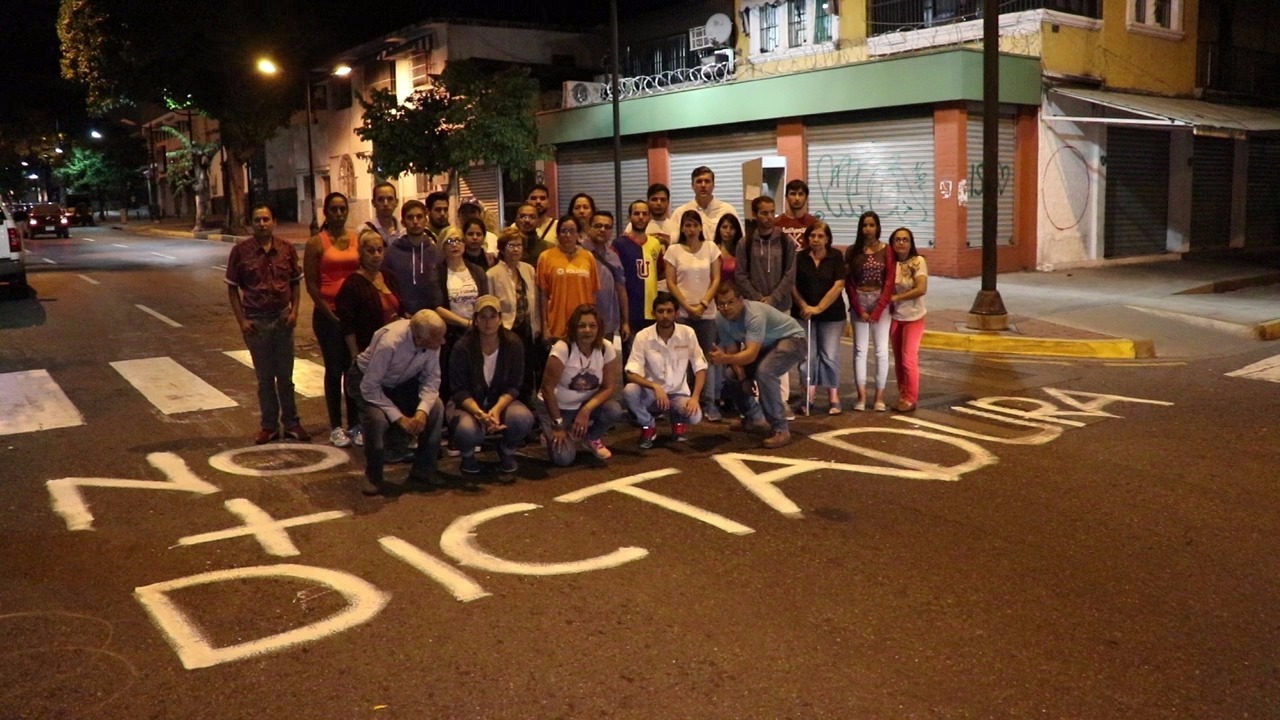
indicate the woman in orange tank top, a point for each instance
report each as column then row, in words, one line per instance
column 330, row 258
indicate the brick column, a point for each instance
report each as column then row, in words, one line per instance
column 793, row 145
column 950, row 169
column 659, row 159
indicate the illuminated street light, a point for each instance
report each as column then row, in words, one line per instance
column 33, row 176
column 342, row 70
column 58, row 150
column 267, row 67
column 95, row 134
column 25, row 163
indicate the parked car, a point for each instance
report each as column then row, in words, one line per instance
column 49, row 219
column 13, row 267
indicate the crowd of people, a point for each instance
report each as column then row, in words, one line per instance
column 435, row 334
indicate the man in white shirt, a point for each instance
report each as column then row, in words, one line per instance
column 705, row 203
column 396, row 381
column 658, row 374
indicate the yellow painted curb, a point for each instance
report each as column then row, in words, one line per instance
column 1120, row 348
column 1267, row 330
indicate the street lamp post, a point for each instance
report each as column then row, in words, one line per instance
column 988, row 311
column 309, row 190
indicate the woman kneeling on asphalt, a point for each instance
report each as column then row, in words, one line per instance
column 578, row 385
column 485, row 372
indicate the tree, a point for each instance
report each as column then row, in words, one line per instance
column 189, row 170
column 197, row 55
column 110, row 169
column 470, row 116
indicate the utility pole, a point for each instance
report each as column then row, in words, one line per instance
column 617, row 123
column 988, row 311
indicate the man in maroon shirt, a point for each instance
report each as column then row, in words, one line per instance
column 796, row 220
column 262, row 284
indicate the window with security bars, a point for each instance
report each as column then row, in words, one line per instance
column 380, row 75
column 799, row 28
column 420, row 62
column 822, row 22
column 891, row 16
column 1158, row 13
column 768, row 28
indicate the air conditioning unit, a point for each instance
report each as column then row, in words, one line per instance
column 578, row 93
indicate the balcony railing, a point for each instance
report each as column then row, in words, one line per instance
column 1238, row 70
column 888, row 16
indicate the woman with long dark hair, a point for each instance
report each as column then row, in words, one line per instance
column 693, row 276
column 728, row 235
column 582, row 375
column 869, row 283
column 370, row 297
column 329, row 259
column 911, row 282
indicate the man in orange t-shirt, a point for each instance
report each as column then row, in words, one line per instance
column 567, row 278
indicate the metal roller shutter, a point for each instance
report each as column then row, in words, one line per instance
column 484, row 184
column 1262, row 209
column 885, row 166
column 1211, row 180
column 590, row 170
column 1137, row 192
column 724, row 154
column 1004, row 208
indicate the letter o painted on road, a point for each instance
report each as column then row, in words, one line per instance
column 226, row 461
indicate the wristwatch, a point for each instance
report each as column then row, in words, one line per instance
column 558, row 423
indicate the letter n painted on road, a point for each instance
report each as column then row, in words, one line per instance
column 364, row 601
column 69, row 502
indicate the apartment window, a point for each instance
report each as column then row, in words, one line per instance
column 768, row 28
column 790, row 25
column 341, row 92
column 421, row 64
column 798, row 29
column 380, row 75
column 1156, row 14
column 822, row 30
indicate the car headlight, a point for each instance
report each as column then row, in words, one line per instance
column 32, row 222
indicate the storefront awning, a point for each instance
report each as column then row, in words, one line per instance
column 1202, row 117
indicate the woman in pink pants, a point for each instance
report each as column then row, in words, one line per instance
column 910, row 284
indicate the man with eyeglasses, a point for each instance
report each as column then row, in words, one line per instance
column 384, row 212
column 611, row 298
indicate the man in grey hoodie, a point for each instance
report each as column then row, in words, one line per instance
column 414, row 258
column 766, row 260
column 767, row 268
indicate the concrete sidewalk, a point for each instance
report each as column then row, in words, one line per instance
column 1169, row 308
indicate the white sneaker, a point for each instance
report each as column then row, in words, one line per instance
column 597, row 448
column 357, row 436
column 339, row 438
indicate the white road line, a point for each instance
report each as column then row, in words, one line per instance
column 171, row 387
column 162, row 255
column 218, row 267
column 1268, row 370
column 158, row 316
column 119, row 245
column 51, row 262
column 308, row 376
column 30, row 400
column 88, row 279
column 88, row 240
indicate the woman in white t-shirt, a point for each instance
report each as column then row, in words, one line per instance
column 693, row 275
column 910, row 283
column 578, row 385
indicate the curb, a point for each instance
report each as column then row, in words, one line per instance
column 162, row 232
column 1269, row 330
column 991, row 343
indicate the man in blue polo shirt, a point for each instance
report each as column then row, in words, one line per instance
column 760, row 344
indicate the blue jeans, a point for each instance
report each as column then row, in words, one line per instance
column 466, row 432
column 375, row 424
column 271, row 348
column 604, row 417
column 771, row 365
column 707, row 338
column 823, row 367
column 643, row 403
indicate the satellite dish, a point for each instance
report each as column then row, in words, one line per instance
column 719, row 28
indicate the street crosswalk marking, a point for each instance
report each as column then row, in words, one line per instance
column 162, row 318
column 30, row 400
column 171, row 387
column 88, row 279
column 308, row 376
column 1268, row 370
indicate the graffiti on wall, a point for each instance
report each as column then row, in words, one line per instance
column 847, row 186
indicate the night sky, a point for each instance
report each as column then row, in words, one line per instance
column 30, row 85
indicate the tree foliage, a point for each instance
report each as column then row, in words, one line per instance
column 110, row 169
column 468, row 116
column 192, row 55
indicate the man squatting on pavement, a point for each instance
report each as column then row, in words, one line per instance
column 657, row 373
column 397, row 380
column 772, row 344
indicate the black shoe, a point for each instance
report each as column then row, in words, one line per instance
column 369, row 488
column 431, row 479
column 471, row 466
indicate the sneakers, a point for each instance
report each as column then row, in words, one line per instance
column 339, row 438
column 712, row 413
column 647, row 434
column 450, row 450
column 507, row 462
column 297, row 432
column 265, row 436
column 397, row 456
column 597, row 448
column 681, row 431
column 777, row 440
column 357, row 436
column 471, row 466
column 880, row 406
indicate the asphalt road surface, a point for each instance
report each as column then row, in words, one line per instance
column 1058, row 539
